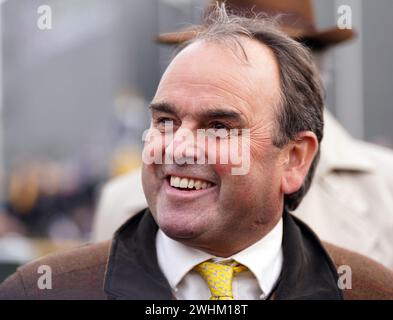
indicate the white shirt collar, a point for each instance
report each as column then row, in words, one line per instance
column 264, row 258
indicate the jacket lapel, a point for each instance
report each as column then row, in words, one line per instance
column 308, row 271
column 132, row 270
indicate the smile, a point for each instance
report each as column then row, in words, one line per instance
column 189, row 183
column 176, row 188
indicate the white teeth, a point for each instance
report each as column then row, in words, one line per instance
column 175, row 182
column 197, row 184
column 190, row 184
column 185, row 183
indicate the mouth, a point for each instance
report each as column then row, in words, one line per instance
column 182, row 188
column 182, row 191
column 186, row 188
column 188, row 184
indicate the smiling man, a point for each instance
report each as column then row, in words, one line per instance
column 241, row 89
column 195, row 93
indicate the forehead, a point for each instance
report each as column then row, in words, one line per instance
column 210, row 73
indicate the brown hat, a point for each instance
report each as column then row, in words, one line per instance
column 296, row 19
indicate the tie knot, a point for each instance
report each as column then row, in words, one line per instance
column 219, row 277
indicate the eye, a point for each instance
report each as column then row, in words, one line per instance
column 219, row 126
column 219, row 129
column 164, row 120
column 163, row 123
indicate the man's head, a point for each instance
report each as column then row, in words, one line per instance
column 238, row 73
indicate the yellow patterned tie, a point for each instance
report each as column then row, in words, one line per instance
column 219, row 277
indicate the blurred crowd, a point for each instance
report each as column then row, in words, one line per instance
column 50, row 199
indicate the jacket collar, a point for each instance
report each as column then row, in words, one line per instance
column 308, row 272
column 341, row 152
column 133, row 271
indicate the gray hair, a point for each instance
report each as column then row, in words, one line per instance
column 302, row 94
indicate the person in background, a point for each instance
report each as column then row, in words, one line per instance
column 350, row 202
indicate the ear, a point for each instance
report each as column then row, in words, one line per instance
column 298, row 156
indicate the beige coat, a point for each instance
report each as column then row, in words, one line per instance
column 350, row 203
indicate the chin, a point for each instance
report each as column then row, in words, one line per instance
column 177, row 228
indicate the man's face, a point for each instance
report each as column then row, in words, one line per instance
column 208, row 86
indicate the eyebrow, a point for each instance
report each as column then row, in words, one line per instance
column 222, row 114
column 162, row 107
column 215, row 113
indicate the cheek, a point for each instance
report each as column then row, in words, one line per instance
column 242, row 153
column 227, row 154
column 153, row 147
column 148, row 178
column 263, row 176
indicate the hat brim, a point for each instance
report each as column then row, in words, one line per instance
column 321, row 39
column 329, row 37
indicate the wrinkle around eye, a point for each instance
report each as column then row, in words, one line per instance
column 260, row 138
column 259, row 143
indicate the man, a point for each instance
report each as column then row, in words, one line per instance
column 351, row 199
column 241, row 95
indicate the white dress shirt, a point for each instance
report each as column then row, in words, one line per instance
column 263, row 259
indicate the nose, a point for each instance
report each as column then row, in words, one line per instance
column 183, row 148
